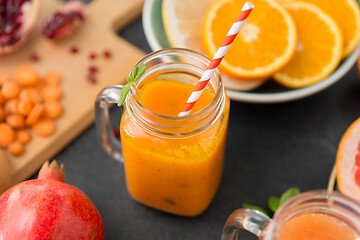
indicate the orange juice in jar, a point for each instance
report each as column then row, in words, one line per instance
column 173, row 163
column 317, row 215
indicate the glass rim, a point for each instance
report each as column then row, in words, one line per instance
column 213, row 104
column 318, row 194
column 318, row 200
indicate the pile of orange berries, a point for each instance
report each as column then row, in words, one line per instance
column 28, row 102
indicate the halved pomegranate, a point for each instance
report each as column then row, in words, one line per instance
column 63, row 22
column 17, row 18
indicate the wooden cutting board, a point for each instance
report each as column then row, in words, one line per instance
column 103, row 19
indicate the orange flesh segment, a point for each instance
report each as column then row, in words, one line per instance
column 316, row 53
column 261, row 47
column 319, row 47
column 346, row 13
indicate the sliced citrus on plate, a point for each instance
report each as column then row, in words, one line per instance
column 183, row 21
column 347, row 15
column 348, row 162
column 319, row 46
column 266, row 42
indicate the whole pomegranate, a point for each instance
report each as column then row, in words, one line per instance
column 48, row 208
column 17, row 18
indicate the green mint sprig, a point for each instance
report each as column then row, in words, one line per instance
column 131, row 80
column 275, row 202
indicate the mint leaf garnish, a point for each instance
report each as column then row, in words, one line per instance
column 273, row 203
column 140, row 71
column 291, row 192
column 136, row 73
column 123, row 94
column 136, row 91
column 246, row 205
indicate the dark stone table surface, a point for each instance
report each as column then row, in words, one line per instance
column 270, row 147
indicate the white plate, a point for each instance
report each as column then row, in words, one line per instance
column 270, row 92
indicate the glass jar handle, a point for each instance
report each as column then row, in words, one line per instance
column 106, row 99
column 247, row 219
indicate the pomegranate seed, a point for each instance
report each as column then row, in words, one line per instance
column 74, row 50
column 91, row 79
column 34, row 57
column 116, row 133
column 93, row 69
column 107, row 54
column 92, row 56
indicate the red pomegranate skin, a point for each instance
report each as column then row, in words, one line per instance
column 47, row 209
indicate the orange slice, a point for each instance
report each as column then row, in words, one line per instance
column 348, row 162
column 266, row 42
column 183, row 21
column 319, row 47
column 347, row 15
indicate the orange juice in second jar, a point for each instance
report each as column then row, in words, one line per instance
column 312, row 215
column 169, row 171
column 317, row 226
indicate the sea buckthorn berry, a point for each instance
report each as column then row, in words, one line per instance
column 26, row 76
column 24, row 108
column 30, row 94
column 44, row 128
column 3, row 78
column 52, row 78
column 35, row 114
column 10, row 89
column 11, row 106
column 53, row 109
column 22, row 136
column 51, row 92
column 16, row 148
column 15, row 121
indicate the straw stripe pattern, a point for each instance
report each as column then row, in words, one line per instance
column 219, row 55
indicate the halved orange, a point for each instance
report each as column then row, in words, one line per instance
column 347, row 15
column 183, row 21
column 266, row 42
column 319, row 46
column 348, row 162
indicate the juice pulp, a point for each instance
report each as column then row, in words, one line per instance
column 179, row 175
column 316, row 226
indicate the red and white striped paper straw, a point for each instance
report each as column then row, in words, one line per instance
column 219, row 55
